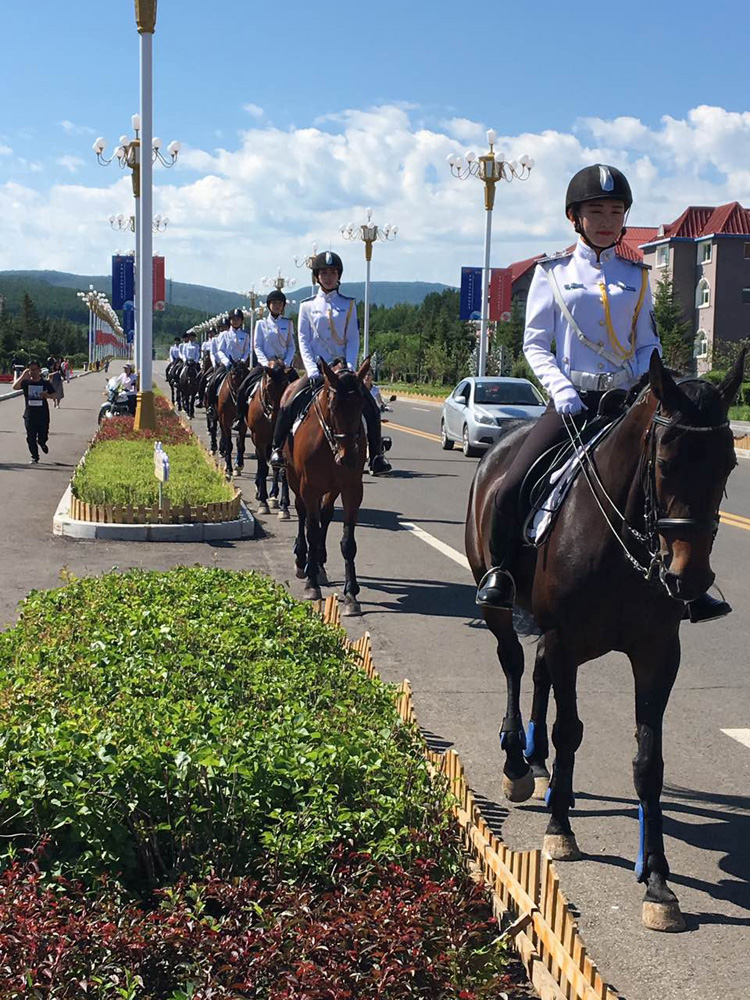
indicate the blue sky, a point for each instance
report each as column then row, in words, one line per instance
column 534, row 71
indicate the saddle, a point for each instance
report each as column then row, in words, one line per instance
column 550, row 478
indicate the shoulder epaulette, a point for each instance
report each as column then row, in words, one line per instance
column 554, row 257
column 309, row 298
column 637, row 263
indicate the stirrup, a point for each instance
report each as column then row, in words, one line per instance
column 277, row 458
column 706, row 609
column 497, row 589
column 379, row 466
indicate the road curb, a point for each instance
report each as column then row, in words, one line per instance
column 19, row 392
column 67, row 527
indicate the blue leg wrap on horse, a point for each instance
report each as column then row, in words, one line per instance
column 530, row 740
column 519, row 732
column 641, row 861
column 548, row 794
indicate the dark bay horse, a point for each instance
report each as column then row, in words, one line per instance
column 262, row 411
column 631, row 544
column 187, row 387
column 226, row 413
column 324, row 460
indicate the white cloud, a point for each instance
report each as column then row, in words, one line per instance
column 236, row 214
column 5, row 150
column 72, row 129
column 253, row 109
column 71, row 163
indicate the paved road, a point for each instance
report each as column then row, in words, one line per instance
column 418, row 604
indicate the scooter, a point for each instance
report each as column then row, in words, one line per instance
column 116, row 404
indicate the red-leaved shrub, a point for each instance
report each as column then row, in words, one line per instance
column 169, row 428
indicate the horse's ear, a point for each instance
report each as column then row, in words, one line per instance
column 662, row 384
column 730, row 385
column 329, row 373
column 364, row 368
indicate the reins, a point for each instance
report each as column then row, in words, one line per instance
column 331, row 437
column 652, row 522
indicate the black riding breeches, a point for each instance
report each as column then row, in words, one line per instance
column 546, row 432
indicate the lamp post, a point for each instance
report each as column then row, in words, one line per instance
column 92, row 299
column 254, row 301
column 308, row 262
column 490, row 168
column 127, row 222
column 279, row 281
column 369, row 232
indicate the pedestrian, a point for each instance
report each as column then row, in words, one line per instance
column 36, row 391
column 106, row 365
column 68, row 369
column 55, row 377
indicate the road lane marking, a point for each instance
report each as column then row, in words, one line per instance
column 422, row 409
column 741, row 735
column 446, row 550
column 413, row 430
column 735, row 520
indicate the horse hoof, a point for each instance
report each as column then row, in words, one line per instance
column 351, row 608
column 263, row 508
column 273, row 503
column 561, row 847
column 323, row 578
column 284, row 514
column 312, row 594
column 663, row 917
column 299, row 573
column 518, row 789
column 541, row 787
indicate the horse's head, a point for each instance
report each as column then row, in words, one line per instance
column 689, row 455
column 275, row 382
column 239, row 372
column 344, row 393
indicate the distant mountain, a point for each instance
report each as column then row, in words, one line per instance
column 210, row 300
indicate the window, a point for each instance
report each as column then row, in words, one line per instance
column 515, row 393
column 702, row 294
column 662, row 255
column 462, row 392
column 747, row 251
column 704, row 252
column 700, row 347
column 746, row 295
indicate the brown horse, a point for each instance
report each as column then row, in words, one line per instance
column 226, row 413
column 325, row 459
column 630, row 546
column 262, row 411
column 187, row 387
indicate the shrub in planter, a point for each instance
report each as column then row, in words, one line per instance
column 159, row 723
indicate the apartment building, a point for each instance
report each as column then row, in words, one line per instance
column 706, row 251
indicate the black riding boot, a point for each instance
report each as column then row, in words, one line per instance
column 497, row 588
column 378, row 464
column 706, row 608
column 281, row 432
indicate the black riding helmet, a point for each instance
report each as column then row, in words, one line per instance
column 236, row 314
column 275, row 296
column 598, row 182
column 327, row 259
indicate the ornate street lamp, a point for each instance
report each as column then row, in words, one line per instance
column 369, row 232
column 127, row 222
column 488, row 168
column 308, row 262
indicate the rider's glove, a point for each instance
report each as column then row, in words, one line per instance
column 317, row 380
column 567, row 400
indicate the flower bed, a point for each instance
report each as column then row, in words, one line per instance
column 115, row 482
column 239, row 806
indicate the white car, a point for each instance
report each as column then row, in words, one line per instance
column 477, row 412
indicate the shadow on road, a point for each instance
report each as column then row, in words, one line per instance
column 434, row 598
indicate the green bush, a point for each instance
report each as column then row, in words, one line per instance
column 163, row 723
column 122, row 472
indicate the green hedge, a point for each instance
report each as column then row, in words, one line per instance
column 122, row 472
column 162, row 723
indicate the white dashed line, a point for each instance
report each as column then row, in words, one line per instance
column 741, row 735
column 446, row 550
column 422, row 409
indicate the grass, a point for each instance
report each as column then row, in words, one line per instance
column 418, row 388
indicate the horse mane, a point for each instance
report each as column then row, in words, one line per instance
column 700, row 402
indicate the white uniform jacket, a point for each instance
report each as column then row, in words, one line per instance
column 206, row 346
column 213, row 349
column 174, row 352
column 274, row 338
column 190, row 351
column 612, row 329
column 234, row 345
column 328, row 328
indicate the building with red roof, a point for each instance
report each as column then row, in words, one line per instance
column 706, row 253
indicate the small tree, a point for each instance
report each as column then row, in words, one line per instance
column 675, row 332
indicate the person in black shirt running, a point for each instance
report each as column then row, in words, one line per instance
column 36, row 391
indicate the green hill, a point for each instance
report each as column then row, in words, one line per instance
column 206, row 300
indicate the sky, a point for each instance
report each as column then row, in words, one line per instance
column 295, row 119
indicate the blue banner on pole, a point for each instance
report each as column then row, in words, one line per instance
column 471, row 293
column 123, row 281
column 128, row 323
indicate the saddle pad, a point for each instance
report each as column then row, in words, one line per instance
column 541, row 518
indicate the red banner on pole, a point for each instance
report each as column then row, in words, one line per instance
column 160, row 285
column 501, row 287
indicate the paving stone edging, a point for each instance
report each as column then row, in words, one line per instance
column 67, row 527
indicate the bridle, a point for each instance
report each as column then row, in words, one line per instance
column 267, row 405
column 654, row 524
column 334, row 439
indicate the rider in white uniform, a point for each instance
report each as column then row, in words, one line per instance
column 328, row 329
column 595, row 308
column 274, row 338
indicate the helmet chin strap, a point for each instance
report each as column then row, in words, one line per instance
column 579, row 229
